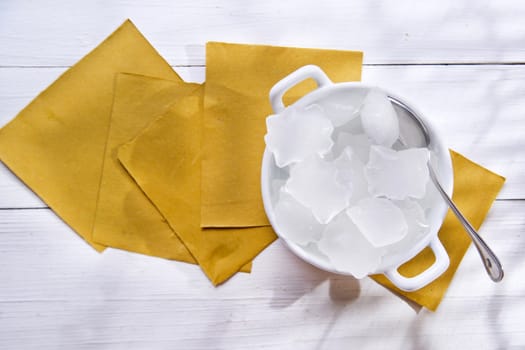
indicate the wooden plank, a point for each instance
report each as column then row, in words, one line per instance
column 476, row 109
column 388, row 32
column 58, row 292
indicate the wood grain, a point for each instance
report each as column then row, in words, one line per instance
column 461, row 63
column 434, row 31
column 67, row 295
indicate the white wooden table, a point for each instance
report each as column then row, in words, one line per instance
column 461, row 61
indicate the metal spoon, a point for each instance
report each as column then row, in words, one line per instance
column 491, row 262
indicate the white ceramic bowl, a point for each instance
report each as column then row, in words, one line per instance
column 441, row 162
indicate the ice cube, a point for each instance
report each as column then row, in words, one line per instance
column 347, row 249
column 379, row 118
column 431, row 196
column 313, row 183
column 379, row 220
column 342, row 107
column 275, row 188
column 297, row 133
column 414, row 216
column 353, row 126
column 397, row 174
column 296, row 222
column 344, row 165
column 350, row 173
column 280, row 173
column 417, row 226
column 360, row 144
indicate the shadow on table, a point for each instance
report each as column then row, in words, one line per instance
column 498, row 309
column 413, row 305
column 300, row 278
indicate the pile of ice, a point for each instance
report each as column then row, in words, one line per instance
column 353, row 190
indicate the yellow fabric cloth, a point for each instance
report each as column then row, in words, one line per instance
column 165, row 161
column 238, row 80
column 475, row 189
column 125, row 217
column 56, row 144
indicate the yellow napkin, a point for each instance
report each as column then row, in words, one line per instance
column 125, row 217
column 238, row 80
column 165, row 161
column 475, row 188
column 56, row 144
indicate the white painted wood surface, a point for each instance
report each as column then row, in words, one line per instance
column 56, row 292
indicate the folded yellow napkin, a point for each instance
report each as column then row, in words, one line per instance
column 56, row 144
column 238, row 80
column 165, row 160
column 475, row 189
column 125, row 217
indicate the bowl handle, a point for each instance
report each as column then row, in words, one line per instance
column 439, row 266
column 303, row 73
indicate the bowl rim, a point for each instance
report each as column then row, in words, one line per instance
column 444, row 173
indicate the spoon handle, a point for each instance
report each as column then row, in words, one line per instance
column 491, row 262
